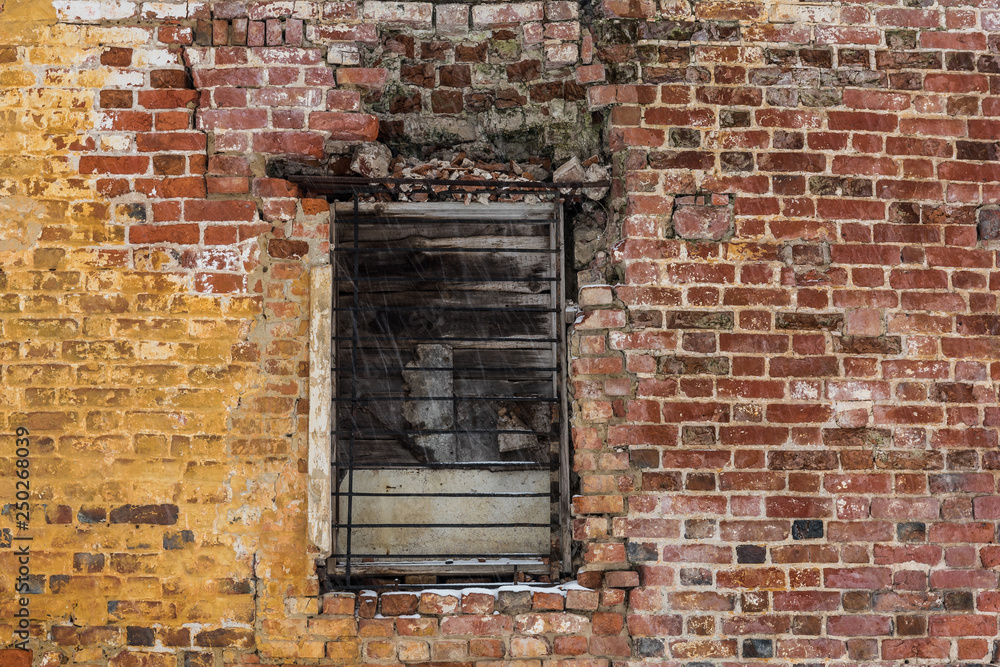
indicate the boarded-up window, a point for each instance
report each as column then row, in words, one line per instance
column 448, row 363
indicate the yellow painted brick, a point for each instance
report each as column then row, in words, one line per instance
column 276, row 648
column 154, row 328
column 16, row 78
column 148, row 374
column 333, row 627
column 129, row 658
column 312, row 650
column 413, row 650
column 343, row 652
column 380, row 650
column 84, row 655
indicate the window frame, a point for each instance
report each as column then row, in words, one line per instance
column 322, row 389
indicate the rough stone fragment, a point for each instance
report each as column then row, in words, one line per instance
column 569, row 171
column 372, row 160
column 989, row 223
column 596, row 172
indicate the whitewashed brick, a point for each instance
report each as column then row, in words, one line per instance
column 675, row 8
column 417, row 14
column 452, row 19
column 271, row 10
column 164, row 10
column 488, row 16
column 93, row 11
column 561, row 54
column 125, row 79
column 534, row 33
column 804, row 13
column 119, row 35
column 111, row 143
column 343, row 54
column 562, row 10
column 307, row 11
column 156, row 58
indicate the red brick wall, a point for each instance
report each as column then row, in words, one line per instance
column 801, row 463
column 784, row 404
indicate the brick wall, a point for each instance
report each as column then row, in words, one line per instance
column 785, row 413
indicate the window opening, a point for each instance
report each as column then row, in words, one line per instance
column 450, row 420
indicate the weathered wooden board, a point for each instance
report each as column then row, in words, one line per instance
column 418, row 288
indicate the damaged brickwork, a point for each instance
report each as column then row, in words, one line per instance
column 784, row 376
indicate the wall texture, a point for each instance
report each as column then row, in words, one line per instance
column 785, row 377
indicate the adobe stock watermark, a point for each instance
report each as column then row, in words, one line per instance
column 21, row 542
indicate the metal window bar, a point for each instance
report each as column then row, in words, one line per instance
column 358, row 361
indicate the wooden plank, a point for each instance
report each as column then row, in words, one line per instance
column 445, row 266
column 379, row 369
column 456, row 234
column 450, row 299
column 375, row 361
column 478, row 387
column 418, row 325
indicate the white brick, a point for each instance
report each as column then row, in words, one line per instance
column 195, row 56
column 487, row 16
column 596, row 295
column 93, row 11
column 452, row 19
column 271, row 10
column 164, row 10
column 125, row 79
column 804, row 13
column 534, row 33
column 119, row 36
column 112, row 143
column 562, row 10
column 418, row 14
column 561, row 54
column 307, row 11
column 156, row 58
column 343, row 54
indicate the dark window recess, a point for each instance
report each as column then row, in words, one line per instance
column 449, row 362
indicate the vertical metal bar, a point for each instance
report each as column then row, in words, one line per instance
column 455, row 434
column 555, row 348
column 334, row 386
column 354, row 395
column 563, row 359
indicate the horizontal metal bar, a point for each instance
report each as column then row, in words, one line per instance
column 547, row 251
column 454, row 465
column 351, row 279
column 347, row 223
column 448, row 196
column 447, row 309
column 492, row 184
column 454, row 557
column 443, row 570
column 445, row 339
column 442, row 525
column 380, row 399
column 455, row 431
column 448, row 495
column 457, row 369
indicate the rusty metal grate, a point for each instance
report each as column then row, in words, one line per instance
column 449, row 364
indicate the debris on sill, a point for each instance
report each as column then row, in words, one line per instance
column 373, row 160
